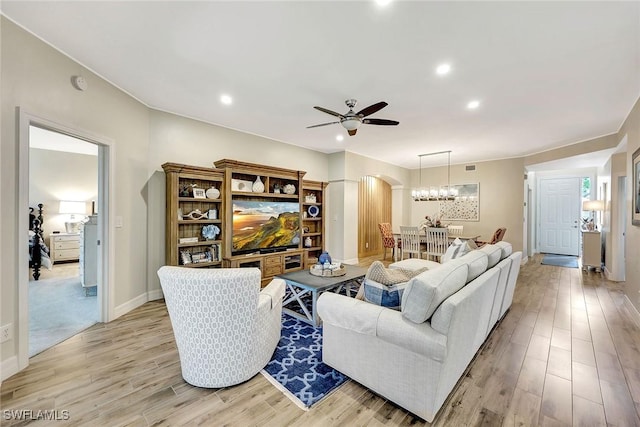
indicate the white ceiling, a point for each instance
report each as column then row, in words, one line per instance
column 548, row 74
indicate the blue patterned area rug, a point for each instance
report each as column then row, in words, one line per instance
column 560, row 260
column 296, row 367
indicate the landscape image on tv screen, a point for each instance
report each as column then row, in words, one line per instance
column 265, row 225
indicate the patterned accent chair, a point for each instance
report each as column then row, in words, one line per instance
column 226, row 328
column 497, row 237
column 387, row 239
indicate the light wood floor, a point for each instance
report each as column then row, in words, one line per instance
column 567, row 353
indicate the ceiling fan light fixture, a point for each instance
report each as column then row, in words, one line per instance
column 351, row 123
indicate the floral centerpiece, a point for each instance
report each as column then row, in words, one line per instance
column 431, row 222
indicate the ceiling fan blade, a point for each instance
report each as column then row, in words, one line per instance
column 324, row 110
column 352, row 132
column 372, row 109
column 383, row 122
column 322, row 124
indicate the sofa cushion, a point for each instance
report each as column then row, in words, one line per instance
column 494, row 253
column 415, row 264
column 384, row 286
column 506, row 247
column 477, row 262
column 425, row 292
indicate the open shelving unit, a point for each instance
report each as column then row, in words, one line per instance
column 181, row 180
column 313, row 227
column 240, row 181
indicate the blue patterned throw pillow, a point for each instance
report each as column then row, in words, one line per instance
column 384, row 286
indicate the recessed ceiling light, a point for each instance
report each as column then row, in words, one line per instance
column 226, row 99
column 472, row 105
column 383, row 2
column 339, row 138
column 443, row 69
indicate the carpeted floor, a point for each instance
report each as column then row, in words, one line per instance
column 296, row 367
column 58, row 309
column 560, row 260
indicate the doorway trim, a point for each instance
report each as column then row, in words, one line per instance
column 106, row 207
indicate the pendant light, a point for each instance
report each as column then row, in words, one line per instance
column 434, row 193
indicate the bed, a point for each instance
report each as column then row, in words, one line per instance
column 38, row 250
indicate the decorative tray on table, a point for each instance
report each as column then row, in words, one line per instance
column 333, row 271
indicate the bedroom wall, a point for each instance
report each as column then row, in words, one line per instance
column 56, row 176
column 36, row 77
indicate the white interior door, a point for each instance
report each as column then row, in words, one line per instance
column 559, row 216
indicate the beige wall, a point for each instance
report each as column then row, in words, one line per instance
column 631, row 129
column 36, row 78
column 614, row 257
column 180, row 140
column 57, row 175
column 501, row 197
column 589, row 146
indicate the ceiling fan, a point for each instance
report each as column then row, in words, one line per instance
column 352, row 120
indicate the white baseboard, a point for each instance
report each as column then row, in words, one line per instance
column 351, row 261
column 9, row 368
column 130, row 305
column 155, row 295
column 633, row 311
column 137, row 302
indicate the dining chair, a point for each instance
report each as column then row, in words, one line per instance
column 497, row 237
column 410, row 237
column 455, row 230
column 437, row 242
column 388, row 241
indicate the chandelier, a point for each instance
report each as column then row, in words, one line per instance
column 424, row 193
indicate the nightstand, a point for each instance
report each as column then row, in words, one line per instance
column 64, row 247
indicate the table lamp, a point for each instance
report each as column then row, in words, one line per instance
column 592, row 206
column 73, row 208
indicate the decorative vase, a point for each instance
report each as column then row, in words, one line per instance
column 307, row 242
column 324, row 257
column 212, row 193
column 258, row 186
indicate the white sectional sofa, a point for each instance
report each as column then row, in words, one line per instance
column 414, row 357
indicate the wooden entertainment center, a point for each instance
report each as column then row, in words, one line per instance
column 200, row 202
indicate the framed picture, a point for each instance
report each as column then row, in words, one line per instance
column 199, row 193
column 465, row 207
column 635, row 200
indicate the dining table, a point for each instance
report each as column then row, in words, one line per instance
column 423, row 239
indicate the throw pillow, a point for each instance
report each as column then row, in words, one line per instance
column 384, row 286
column 457, row 249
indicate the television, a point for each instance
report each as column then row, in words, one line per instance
column 265, row 226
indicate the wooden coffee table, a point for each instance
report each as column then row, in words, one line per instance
column 303, row 290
